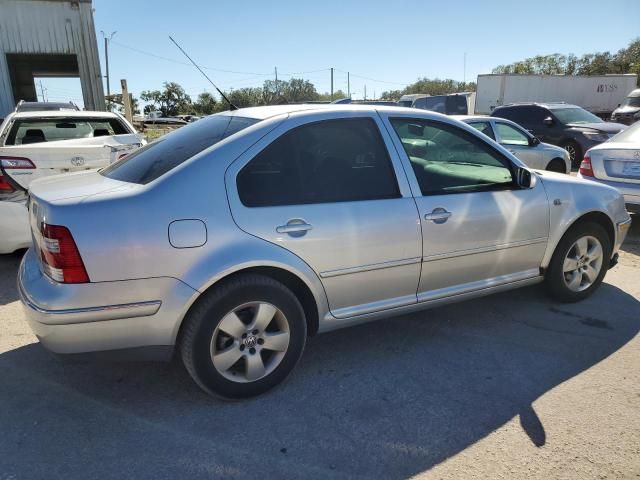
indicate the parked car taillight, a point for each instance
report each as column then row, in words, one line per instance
column 5, row 186
column 585, row 167
column 16, row 162
column 9, row 163
column 60, row 256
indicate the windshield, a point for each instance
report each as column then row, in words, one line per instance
column 157, row 158
column 575, row 115
column 631, row 102
column 54, row 129
column 629, row 135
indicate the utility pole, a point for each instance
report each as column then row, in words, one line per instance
column 348, row 86
column 126, row 101
column 365, row 91
column 464, row 69
column 107, row 39
column 42, row 91
column 276, row 69
column 332, row 84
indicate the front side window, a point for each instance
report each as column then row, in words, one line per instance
column 25, row 131
column 446, row 159
column 510, row 135
column 342, row 160
column 483, row 127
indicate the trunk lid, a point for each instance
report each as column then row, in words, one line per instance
column 617, row 162
column 64, row 156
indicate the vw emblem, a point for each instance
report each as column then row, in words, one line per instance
column 636, row 154
column 250, row 342
column 77, row 161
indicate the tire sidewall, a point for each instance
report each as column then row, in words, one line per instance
column 210, row 317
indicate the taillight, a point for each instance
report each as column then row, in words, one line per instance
column 16, row 162
column 60, row 256
column 585, row 167
column 5, row 186
column 12, row 163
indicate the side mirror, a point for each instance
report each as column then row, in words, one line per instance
column 523, row 177
column 548, row 121
column 534, row 141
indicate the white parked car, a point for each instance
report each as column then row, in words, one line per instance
column 617, row 163
column 35, row 144
column 528, row 148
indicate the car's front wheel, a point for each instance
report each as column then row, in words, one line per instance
column 579, row 263
column 244, row 337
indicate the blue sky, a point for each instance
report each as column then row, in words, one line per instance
column 392, row 43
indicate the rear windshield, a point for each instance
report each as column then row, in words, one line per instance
column 25, row 131
column 157, row 158
column 629, row 135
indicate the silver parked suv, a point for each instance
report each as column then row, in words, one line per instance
column 235, row 238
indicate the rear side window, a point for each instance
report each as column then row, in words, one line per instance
column 323, row 162
column 37, row 130
column 157, row 158
column 483, row 127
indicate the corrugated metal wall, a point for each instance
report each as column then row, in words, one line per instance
column 51, row 27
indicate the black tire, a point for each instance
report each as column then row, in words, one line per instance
column 557, row 165
column 201, row 322
column 555, row 276
column 575, row 152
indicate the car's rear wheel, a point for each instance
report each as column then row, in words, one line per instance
column 579, row 263
column 244, row 337
column 557, row 165
column 574, row 151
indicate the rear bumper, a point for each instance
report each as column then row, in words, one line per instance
column 104, row 319
column 14, row 226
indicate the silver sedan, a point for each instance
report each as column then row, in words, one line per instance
column 233, row 239
column 528, row 148
column 617, row 163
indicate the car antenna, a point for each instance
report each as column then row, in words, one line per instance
column 231, row 105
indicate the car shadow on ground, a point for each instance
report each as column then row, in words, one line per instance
column 388, row 399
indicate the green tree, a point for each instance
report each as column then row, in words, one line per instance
column 206, row 104
column 171, row 101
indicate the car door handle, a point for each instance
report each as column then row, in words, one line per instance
column 438, row 215
column 295, row 228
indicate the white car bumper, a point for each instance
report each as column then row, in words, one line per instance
column 15, row 232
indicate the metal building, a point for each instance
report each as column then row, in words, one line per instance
column 45, row 38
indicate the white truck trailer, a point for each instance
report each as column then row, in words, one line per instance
column 600, row 94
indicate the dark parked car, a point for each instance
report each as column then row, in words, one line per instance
column 568, row 126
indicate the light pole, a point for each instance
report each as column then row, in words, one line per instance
column 107, row 39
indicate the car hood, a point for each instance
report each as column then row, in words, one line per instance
column 627, row 109
column 606, row 127
column 555, row 149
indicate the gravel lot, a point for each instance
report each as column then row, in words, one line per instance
column 509, row 386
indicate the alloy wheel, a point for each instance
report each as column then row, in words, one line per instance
column 583, row 263
column 250, row 342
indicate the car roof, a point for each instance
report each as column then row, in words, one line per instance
column 464, row 118
column 262, row 113
column 549, row 105
column 64, row 113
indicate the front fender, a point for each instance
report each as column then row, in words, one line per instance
column 571, row 198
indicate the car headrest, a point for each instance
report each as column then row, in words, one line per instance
column 33, row 135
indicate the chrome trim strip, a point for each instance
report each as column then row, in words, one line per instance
column 492, row 248
column 97, row 314
column 374, row 306
column 368, row 268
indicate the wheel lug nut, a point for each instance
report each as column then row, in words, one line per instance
column 252, row 351
column 242, row 348
column 255, row 332
column 244, row 335
column 260, row 341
